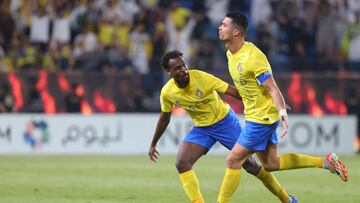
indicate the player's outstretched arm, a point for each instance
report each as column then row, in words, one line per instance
column 273, row 89
column 232, row 91
column 161, row 125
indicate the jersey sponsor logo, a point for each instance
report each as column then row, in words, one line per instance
column 199, row 93
column 197, row 105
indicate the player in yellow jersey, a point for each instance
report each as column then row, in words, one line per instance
column 264, row 110
column 197, row 92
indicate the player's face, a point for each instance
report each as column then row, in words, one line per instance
column 226, row 29
column 178, row 70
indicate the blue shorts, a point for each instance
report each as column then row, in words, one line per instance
column 256, row 136
column 226, row 131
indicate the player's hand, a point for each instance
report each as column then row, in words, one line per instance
column 153, row 154
column 285, row 125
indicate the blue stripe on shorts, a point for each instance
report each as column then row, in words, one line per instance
column 256, row 136
column 226, row 131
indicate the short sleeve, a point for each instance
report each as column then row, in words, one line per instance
column 165, row 103
column 216, row 83
column 261, row 66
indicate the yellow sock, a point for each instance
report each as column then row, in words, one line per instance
column 294, row 161
column 229, row 184
column 271, row 183
column 191, row 186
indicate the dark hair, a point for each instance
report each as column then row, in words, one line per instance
column 238, row 20
column 168, row 56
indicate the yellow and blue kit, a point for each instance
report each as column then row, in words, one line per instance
column 249, row 68
column 213, row 118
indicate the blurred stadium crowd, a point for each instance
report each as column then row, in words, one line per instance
column 103, row 56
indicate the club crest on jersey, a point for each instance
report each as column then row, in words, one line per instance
column 239, row 67
column 199, row 93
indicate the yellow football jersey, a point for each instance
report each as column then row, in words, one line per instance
column 199, row 98
column 245, row 66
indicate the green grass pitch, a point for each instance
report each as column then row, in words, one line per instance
column 134, row 179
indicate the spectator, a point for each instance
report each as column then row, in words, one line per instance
column 260, row 11
column 85, row 42
column 178, row 14
column 106, row 31
column 121, row 33
column 110, row 12
column 6, row 99
column 205, row 56
column 327, row 37
column 73, row 100
column 77, row 17
column 159, row 43
column 179, row 37
column 263, row 39
column 137, row 92
column 33, row 104
column 125, row 101
column 140, row 49
column 216, row 10
column 61, row 54
column 7, row 26
column 353, row 105
column 128, row 9
column 26, row 55
column 61, row 28
column 40, row 28
column 351, row 43
column 92, row 14
column 117, row 55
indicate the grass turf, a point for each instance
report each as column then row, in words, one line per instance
column 134, row 179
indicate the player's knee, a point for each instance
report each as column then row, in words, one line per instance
column 183, row 166
column 232, row 161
